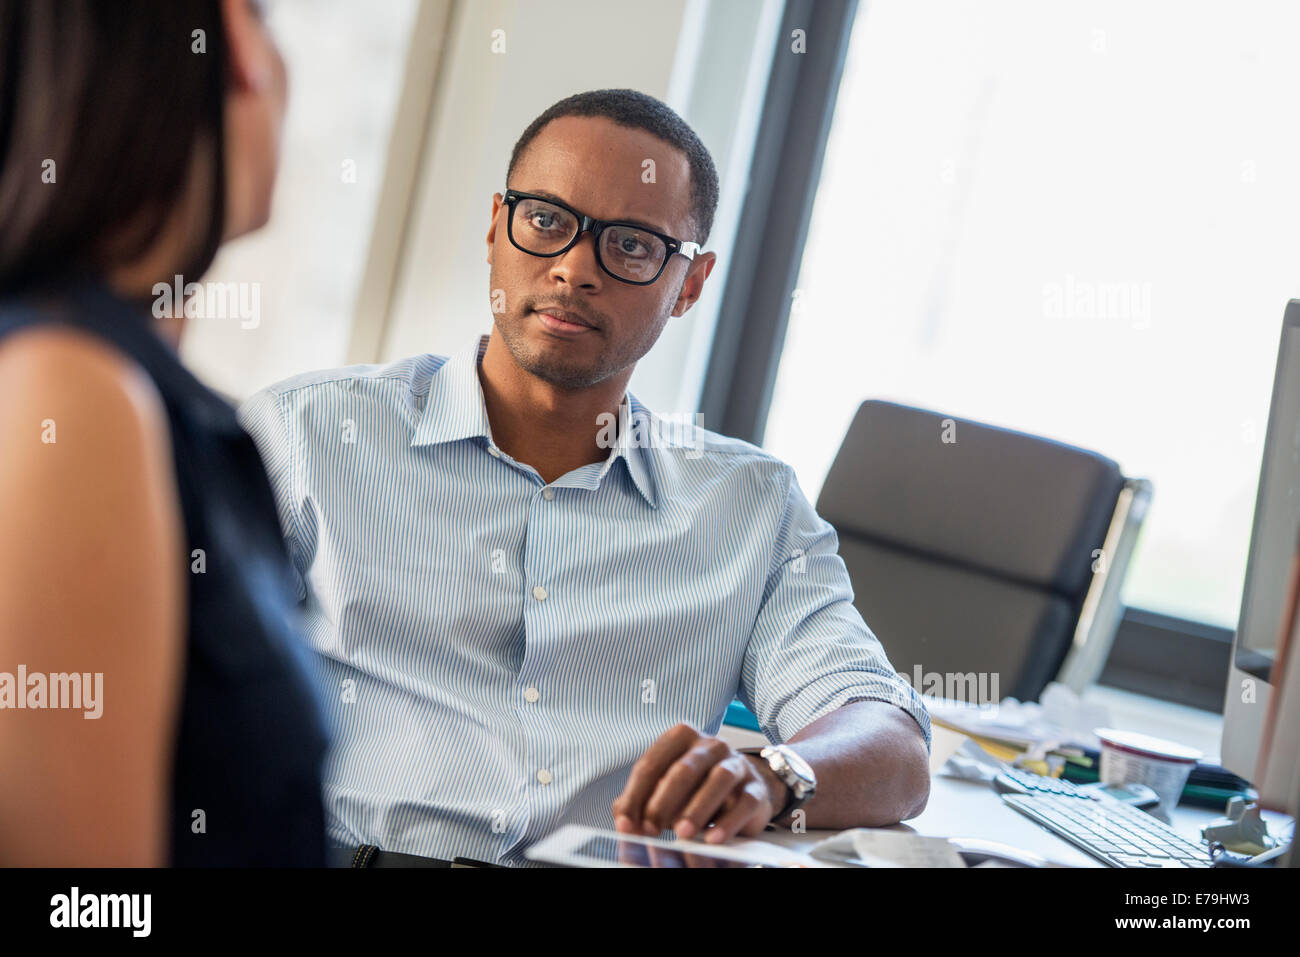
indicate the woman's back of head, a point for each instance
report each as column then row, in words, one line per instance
column 122, row 124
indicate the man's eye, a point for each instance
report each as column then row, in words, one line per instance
column 543, row 220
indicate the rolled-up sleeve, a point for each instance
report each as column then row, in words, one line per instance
column 810, row 651
column 263, row 418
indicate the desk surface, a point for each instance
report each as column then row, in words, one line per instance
column 959, row 808
column 971, row 809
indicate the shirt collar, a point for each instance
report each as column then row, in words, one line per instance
column 455, row 409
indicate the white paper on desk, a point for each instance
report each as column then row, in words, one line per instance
column 870, row 847
column 1058, row 715
column 943, row 743
column 970, row 762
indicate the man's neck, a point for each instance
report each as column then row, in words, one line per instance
column 555, row 430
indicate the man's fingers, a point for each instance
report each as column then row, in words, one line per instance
column 749, row 805
column 680, row 782
column 648, row 770
column 724, row 778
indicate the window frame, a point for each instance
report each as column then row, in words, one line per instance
column 751, row 326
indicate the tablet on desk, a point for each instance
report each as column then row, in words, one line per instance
column 575, row 845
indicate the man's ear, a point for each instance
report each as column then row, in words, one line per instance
column 247, row 56
column 492, row 230
column 693, row 285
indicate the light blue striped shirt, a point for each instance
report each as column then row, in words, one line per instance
column 496, row 652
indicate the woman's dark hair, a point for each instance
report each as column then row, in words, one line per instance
column 118, row 96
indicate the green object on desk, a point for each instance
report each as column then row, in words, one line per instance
column 1207, row 785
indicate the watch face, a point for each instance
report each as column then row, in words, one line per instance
column 800, row 767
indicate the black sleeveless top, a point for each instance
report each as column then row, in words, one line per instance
column 251, row 735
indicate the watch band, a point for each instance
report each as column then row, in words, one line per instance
column 789, row 807
column 793, row 802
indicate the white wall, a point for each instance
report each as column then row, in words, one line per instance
column 345, row 73
column 718, row 88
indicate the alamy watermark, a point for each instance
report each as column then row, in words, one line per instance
column 662, row 430
column 130, row 911
column 1103, row 301
column 969, row 687
column 209, row 300
column 37, row 691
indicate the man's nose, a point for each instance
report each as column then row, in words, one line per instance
column 578, row 266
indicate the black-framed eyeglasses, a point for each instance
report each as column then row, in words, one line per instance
column 628, row 252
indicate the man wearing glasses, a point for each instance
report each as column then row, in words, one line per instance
column 525, row 619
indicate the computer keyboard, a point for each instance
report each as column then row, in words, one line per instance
column 1115, row 833
column 1013, row 780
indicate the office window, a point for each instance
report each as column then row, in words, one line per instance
column 345, row 63
column 1076, row 220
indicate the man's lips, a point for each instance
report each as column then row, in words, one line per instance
column 569, row 317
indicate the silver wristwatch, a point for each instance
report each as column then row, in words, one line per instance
column 793, row 770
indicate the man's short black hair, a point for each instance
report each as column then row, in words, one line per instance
column 641, row 111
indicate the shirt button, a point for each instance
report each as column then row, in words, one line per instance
column 548, row 494
column 544, row 776
column 492, row 451
column 539, row 593
column 531, row 695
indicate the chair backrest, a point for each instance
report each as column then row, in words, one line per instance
column 971, row 548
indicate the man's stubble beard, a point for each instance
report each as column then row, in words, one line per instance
column 551, row 366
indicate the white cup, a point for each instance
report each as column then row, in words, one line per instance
column 1128, row 757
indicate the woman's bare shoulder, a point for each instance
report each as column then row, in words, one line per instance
column 53, row 370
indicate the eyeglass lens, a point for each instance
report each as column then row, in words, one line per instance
column 543, row 229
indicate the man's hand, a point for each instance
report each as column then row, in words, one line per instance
column 687, row 780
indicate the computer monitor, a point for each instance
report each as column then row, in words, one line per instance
column 1254, row 674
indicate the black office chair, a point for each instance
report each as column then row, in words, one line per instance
column 972, row 549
